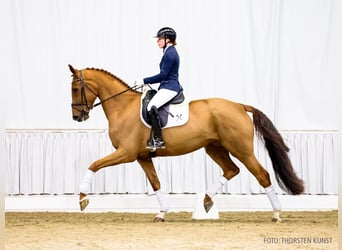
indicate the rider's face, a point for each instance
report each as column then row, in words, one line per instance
column 161, row 41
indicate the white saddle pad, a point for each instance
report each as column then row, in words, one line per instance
column 178, row 115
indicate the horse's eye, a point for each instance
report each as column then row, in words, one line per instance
column 74, row 90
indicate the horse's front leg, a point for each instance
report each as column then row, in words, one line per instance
column 151, row 174
column 118, row 157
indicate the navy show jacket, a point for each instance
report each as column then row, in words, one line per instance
column 168, row 76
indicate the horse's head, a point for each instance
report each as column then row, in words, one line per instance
column 83, row 96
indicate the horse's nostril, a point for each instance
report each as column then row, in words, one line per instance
column 75, row 117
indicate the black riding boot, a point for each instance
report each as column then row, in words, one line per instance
column 156, row 140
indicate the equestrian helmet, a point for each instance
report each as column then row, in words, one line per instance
column 167, row 32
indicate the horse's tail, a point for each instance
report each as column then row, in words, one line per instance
column 277, row 150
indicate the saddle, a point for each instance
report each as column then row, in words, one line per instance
column 165, row 112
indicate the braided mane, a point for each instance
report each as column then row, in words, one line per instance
column 113, row 76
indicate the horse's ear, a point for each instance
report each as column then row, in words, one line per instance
column 72, row 69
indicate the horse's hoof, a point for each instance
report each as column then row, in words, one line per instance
column 158, row 219
column 208, row 205
column 276, row 220
column 84, row 203
column 276, row 216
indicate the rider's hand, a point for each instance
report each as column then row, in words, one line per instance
column 139, row 83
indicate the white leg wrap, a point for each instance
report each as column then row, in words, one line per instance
column 276, row 215
column 212, row 189
column 160, row 215
column 163, row 202
column 86, row 182
column 273, row 198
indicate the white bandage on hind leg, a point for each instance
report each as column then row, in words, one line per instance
column 212, row 189
column 272, row 196
column 163, row 202
column 86, row 182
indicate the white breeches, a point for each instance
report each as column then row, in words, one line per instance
column 160, row 98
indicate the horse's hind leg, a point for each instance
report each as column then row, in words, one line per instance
column 263, row 178
column 221, row 156
column 151, row 174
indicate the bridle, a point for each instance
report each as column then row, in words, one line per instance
column 84, row 102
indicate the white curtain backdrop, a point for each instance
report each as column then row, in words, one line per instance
column 45, row 162
column 280, row 56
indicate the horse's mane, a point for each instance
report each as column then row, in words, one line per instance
column 113, row 76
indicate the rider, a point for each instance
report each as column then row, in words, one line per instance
column 169, row 85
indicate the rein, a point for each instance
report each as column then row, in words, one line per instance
column 113, row 96
column 84, row 98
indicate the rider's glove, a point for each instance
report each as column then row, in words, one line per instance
column 139, row 83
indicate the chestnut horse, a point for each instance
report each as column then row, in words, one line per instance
column 222, row 127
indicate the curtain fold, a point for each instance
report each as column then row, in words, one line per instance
column 47, row 162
